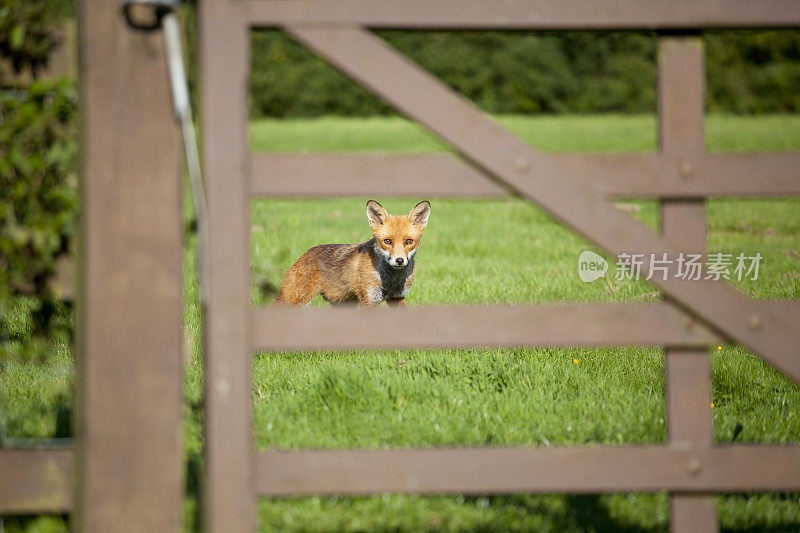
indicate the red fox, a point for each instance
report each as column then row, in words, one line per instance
column 367, row 273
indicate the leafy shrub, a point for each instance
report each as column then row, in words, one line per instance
column 38, row 205
column 754, row 71
column 26, row 31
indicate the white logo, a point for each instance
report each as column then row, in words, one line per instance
column 591, row 266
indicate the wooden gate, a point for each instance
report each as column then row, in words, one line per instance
column 128, row 458
column 575, row 189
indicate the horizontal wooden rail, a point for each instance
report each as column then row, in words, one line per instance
column 316, row 174
column 528, row 14
column 618, row 175
column 587, row 469
column 599, row 324
column 689, row 176
column 36, row 480
column 644, row 324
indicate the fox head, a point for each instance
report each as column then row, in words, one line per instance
column 397, row 236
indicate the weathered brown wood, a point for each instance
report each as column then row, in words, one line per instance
column 691, row 175
column 681, row 97
column 688, row 398
column 228, row 498
column 130, row 307
column 645, row 324
column 423, row 98
column 505, row 470
column 36, row 481
column 282, row 174
column 529, row 14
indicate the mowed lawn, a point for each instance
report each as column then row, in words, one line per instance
column 484, row 251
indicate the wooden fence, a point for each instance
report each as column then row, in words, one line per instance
column 131, row 283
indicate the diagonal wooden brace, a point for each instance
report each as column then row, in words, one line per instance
column 423, row 98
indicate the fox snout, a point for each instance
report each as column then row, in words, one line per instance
column 398, row 262
column 395, row 261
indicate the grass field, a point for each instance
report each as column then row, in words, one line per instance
column 480, row 251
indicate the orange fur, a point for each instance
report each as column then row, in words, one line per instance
column 368, row 273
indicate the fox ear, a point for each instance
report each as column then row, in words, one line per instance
column 419, row 214
column 376, row 214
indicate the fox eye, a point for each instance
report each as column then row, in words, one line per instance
column 387, row 241
column 409, row 241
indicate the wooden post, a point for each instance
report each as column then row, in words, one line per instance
column 229, row 481
column 130, row 304
column 688, row 376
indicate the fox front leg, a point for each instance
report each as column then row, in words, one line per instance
column 396, row 302
column 371, row 297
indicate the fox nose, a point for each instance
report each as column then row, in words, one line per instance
column 400, row 261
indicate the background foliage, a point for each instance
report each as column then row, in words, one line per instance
column 38, row 204
column 518, row 72
column 26, row 31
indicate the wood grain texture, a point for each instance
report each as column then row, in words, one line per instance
column 279, row 174
column 228, row 497
column 487, row 470
column 528, row 14
column 681, row 103
column 37, row 481
column 128, row 360
column 655, row 324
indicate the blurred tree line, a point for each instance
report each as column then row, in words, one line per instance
column 546, row 72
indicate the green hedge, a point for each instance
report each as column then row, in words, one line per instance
column 516, row 72
column 26, row 31
column 38, row 204
column 38, row 207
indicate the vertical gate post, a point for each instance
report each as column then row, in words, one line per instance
column 128, row 362
column 229, row 482
column 681, row 82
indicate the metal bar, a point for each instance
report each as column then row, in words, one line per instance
column 616, row 175
column 228, row 499
column 423, row 98
column 528, row 14
column 587, row 469
column 183, row 114
column 129, row 361
column 681, row 97
column 644, row 324
column 36, row 481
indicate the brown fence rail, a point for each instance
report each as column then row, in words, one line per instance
column 36, row 481
column 128, row 459
column 613, row 175
column 677, row 468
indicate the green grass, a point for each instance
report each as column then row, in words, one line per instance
column 481, row 251
column 563, row 133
